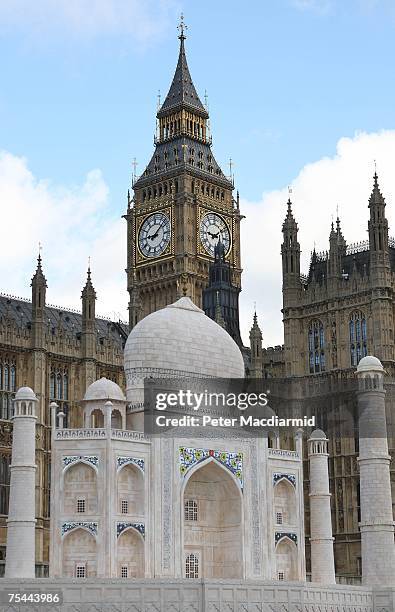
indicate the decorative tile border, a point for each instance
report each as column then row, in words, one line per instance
column 290, row 477
column 140, row 527
column 279, row 535
column 189, row 457
column 92, row 459
column 90, row 526
column 121, row 461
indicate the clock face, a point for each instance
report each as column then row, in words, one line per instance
column 213, row 228
column 154, row 234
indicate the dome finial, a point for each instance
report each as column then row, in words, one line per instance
column 182, row 27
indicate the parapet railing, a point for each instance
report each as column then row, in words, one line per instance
column 99, row 433
column 283, row 454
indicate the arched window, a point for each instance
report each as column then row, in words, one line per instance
column 7, row 386
column 12, row 378
column 192, row 566
column 52, row 386
column 59, row 387
column 65, row 387
column 316, row 342
column 358, row 340
column 6, row 378
column 5, row 461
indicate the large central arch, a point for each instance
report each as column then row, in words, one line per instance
column 212, row 532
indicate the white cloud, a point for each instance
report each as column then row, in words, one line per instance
column 75, row 222
column 344, row 180
column 72, row 223
column 141, row 20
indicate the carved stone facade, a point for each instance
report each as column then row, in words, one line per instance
column 57, row 352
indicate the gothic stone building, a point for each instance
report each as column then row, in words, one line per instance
column 342, row 310
column 58, row 353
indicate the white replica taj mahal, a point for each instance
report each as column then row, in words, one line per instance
column 141, row 523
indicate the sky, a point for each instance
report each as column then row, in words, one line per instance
column 301, row 94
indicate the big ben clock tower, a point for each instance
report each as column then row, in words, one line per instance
column 182, row 207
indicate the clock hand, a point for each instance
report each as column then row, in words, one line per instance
column 213, row 235
column 152, row 236
column 161, row 225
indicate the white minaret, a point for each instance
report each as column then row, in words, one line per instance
column 322, row 558
column 377, row 525
column 20, row 559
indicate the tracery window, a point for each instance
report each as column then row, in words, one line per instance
column 358, row 340
column 192, row 566
column 5, row 474
column 316, row 341
column 7, row 385
column 59, row 389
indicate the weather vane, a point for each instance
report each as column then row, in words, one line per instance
column 205, row 99
column 182, row 27
column 134, row 164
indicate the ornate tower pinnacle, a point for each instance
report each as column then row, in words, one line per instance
column 256, row 349
column 39, row 287
column 378, row 226
column 337, row 249
column 290, row 251
column 88, row 337
column 221, row 297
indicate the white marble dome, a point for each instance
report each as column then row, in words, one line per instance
column 25, row 393
column 370, row 364
column 104, row 389
column 180, row 340
column 318, row 434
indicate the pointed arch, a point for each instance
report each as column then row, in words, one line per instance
column 79, row 551
column 215, row 538
column 130, row 554
column 284, row 502
column 206, row 461
column 130, row 490
column 80, row 491
column 116, row 419
column 286, row 559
